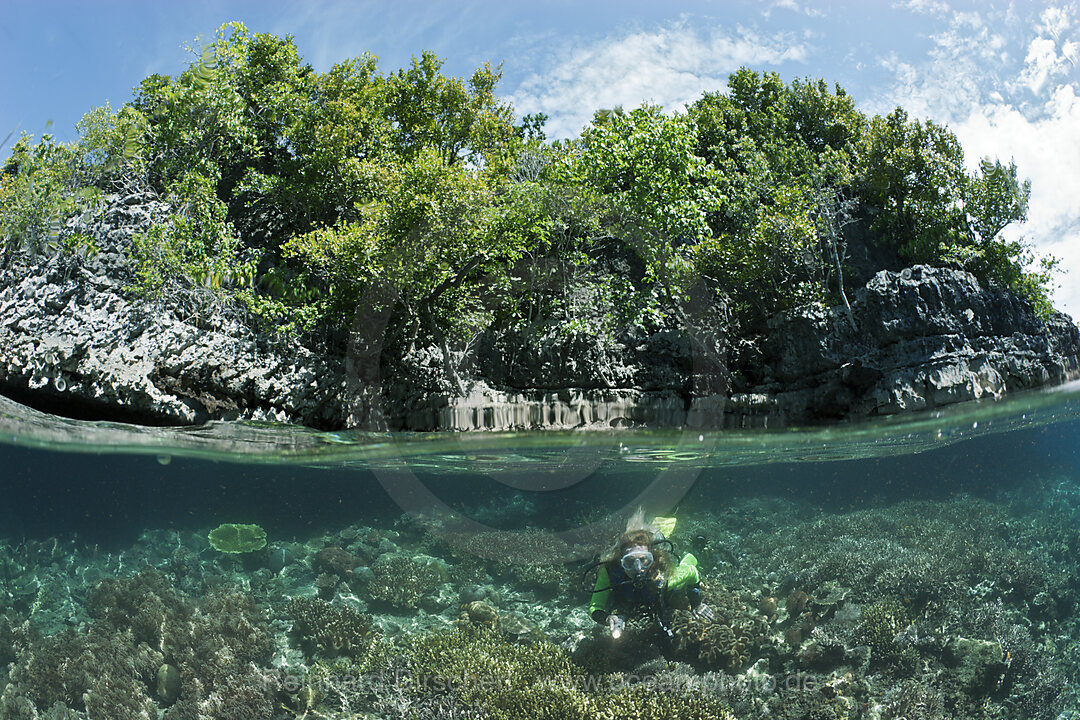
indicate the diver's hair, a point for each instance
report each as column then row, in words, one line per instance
column 635, row 524
column 639, row 532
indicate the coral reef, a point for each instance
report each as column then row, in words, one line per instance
column 102, row 672
column 980, row 664
column 728, row 639
column 334, row 560
column 7, row 643
column 880, row 628
column 329, row 630
column 912, row 700
column 547, row 580
column 478, row 612
column 402, row 581
column 539, row 680
column 529, row 547
column 215, row 645
column 885, row 613
column 1033, row 683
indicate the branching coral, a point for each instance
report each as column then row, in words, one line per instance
column 879, row 628
column 529, row 547
column 645, row 703
column 402, row 581
column 102, row 672
column 331, row 630
column 228, row 618
column 7, row 643
column 912, row 701
column 147, row 604
column 141, row 623
column 546, row 579
column 540, row 680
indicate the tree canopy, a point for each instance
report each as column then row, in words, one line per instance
column 300, row 194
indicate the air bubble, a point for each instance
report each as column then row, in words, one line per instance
column 60, row 383
column 164, row 459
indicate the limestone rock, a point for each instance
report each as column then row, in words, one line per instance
column 919, row 338
column 74, row 342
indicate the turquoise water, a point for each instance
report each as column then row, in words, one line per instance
column 913, row 565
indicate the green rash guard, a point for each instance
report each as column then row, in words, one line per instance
column 685, row 576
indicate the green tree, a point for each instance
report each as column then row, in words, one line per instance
column 112, row 148
column 994, row 199
column 319, row 199
column 196, row 248
column 774, row 266
column 823, row 119
column 912, row 178
column 461, row 120
column 39, row 189
column 419, row 246
column 657, row 191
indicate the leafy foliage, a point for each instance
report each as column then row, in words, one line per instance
column 39, row 189
column 317, row 198
column 197, row 246
column 655, row 190
column 913, row 179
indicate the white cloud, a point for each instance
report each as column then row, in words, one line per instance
column 1029, row 112
column 1043, row 63
column 971, row 19
column 1052, row 53
column 967, row 59
column 928, row 7
column 1047, row 151
column 793, row 6
column 1055, row 21
column 670, row 67
column 783, row 4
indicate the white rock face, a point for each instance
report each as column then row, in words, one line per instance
column 72, row 341
column 69, row 335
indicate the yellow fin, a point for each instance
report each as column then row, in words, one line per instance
column 666, row 525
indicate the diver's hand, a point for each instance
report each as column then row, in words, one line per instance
column 704, row 611
column 616, row 625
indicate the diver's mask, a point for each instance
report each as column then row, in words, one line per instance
column 637, row 561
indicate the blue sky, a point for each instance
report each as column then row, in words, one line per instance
column 1005, row 77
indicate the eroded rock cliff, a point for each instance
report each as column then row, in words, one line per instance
column 75, row 342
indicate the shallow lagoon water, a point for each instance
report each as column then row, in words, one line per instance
column 102, row 479
column 765, row 511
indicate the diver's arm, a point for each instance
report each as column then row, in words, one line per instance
column 685, row 575
column 600, row 604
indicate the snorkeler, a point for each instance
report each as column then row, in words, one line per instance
column 639, row 576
